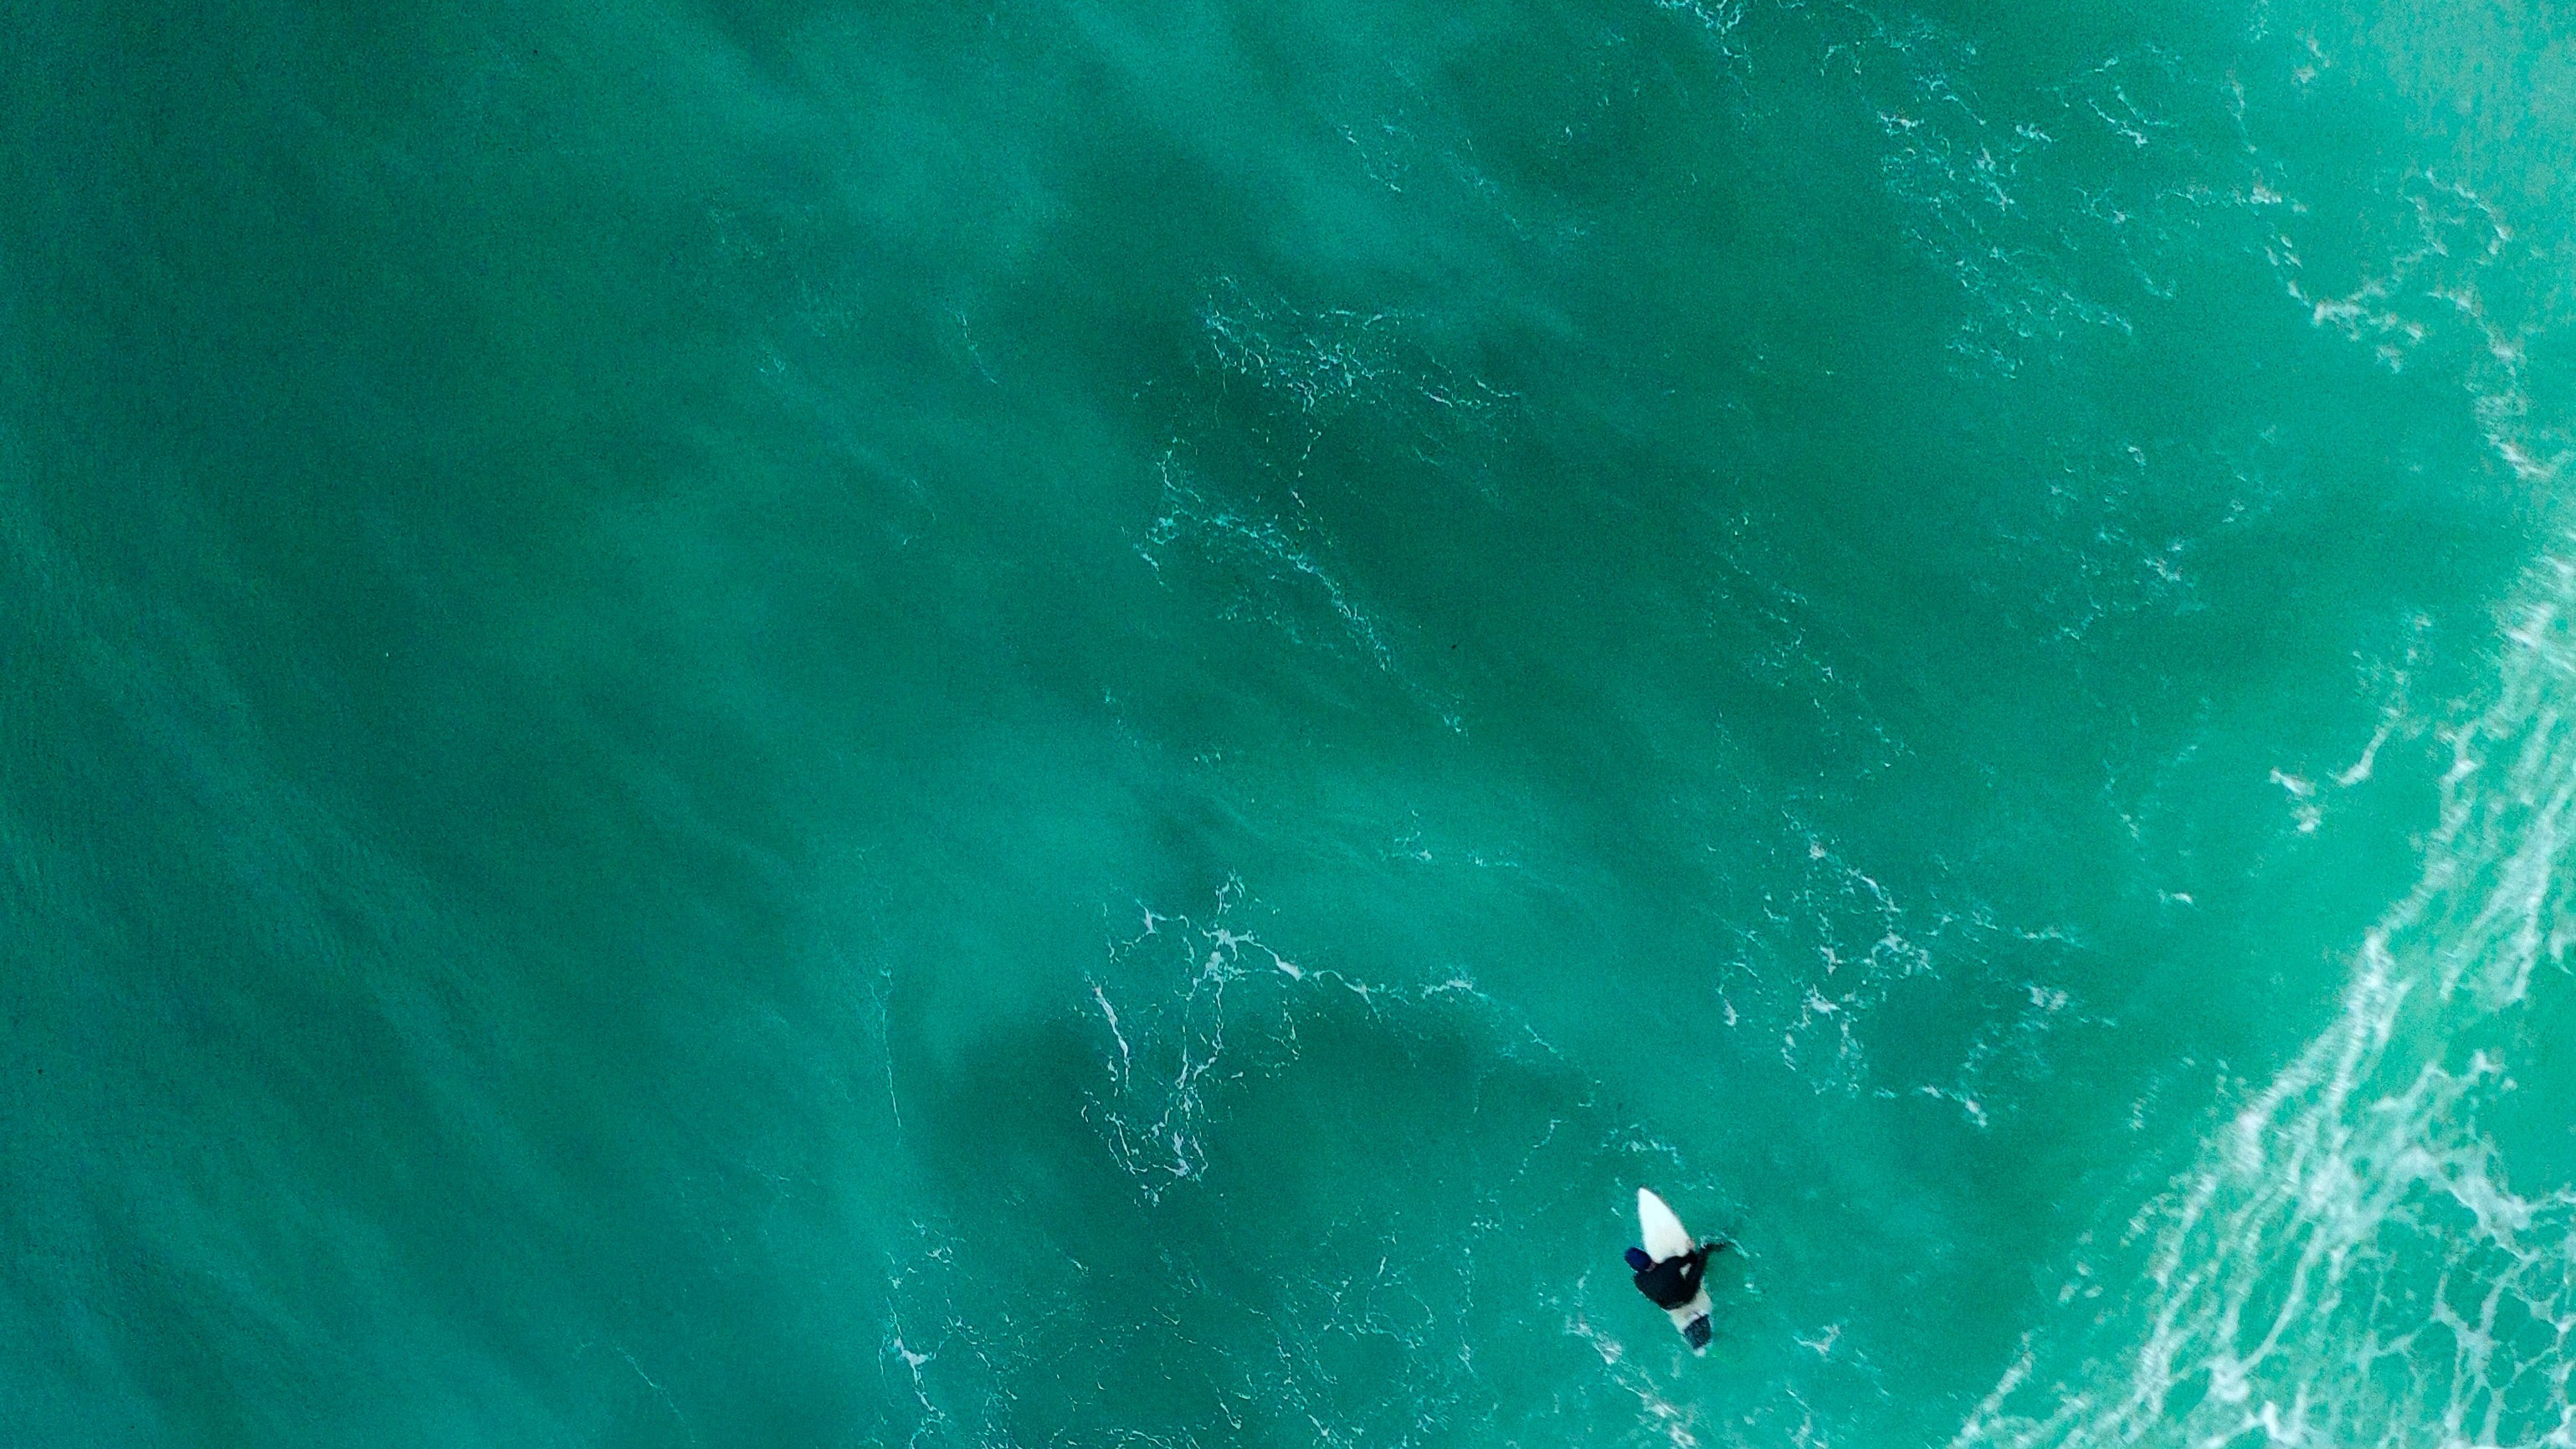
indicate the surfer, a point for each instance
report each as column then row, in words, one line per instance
column 1670, row 1266
column 1673, row 1282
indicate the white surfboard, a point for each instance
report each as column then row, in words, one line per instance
column 1663, row 1237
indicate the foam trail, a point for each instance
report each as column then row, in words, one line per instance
column 2348, row 1263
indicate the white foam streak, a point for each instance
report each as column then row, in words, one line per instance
column 2349, row 1264
column 1170, row 1042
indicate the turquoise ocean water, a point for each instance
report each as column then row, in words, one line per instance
column 1075, row 724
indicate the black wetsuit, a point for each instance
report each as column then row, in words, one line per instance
column 1674, row 1281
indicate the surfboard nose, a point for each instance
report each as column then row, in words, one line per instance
column 1660, row 1227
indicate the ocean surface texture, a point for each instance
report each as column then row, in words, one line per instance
column 1079, row 724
